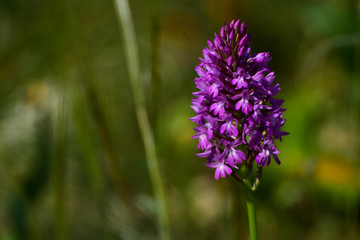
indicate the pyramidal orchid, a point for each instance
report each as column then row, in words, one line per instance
column 238, row 116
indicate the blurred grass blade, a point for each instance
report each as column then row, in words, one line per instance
column 132, row 58
column 60, row 165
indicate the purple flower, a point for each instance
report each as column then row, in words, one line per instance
column 219, row 107
column 268, row 149
column 219, row 163
column 204, row 135
column 236, row 111
column 221, row 169
column 240, row 78
column 244, row 104
column 235, row 156
column 230, row 127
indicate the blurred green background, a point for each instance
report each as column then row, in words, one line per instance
column 72, row 162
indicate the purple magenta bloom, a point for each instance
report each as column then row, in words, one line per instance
column 240, row 78
column 218, row 107
column 230, row 127
column 244, row 104
column 221, row 169
column 268, row 149
column 235, row 105
column 235, row 156
column 204, row 135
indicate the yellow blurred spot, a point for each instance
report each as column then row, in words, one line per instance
column 336, row 173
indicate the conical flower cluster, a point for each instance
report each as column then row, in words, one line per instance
column 238, row 117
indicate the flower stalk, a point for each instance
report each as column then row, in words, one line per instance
column 250, row 204
column 249, row 190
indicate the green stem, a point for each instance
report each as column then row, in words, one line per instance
column 250, row 203
column 133, row 65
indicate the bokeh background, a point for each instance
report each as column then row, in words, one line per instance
column 72, row 162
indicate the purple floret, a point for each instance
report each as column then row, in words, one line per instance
column 236, row 111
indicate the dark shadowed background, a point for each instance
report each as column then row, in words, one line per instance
column 72, row 162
